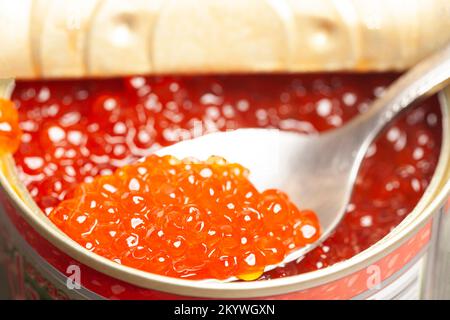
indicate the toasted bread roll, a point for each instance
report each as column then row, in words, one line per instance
column 73, row 38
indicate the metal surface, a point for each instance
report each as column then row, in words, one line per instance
column 437, row 284
column 6, row 88
column 318, row 172
column 441, row 272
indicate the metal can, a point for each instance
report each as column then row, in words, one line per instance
column 41, row 262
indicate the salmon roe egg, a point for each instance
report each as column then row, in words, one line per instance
column 185, row 218
column 10, row 133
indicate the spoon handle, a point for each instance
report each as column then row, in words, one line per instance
column 424, row 80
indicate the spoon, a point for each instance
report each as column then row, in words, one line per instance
column 318, row 171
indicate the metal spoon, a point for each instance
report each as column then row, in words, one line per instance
column 318, row 171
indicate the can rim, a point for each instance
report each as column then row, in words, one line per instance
column 438, row 191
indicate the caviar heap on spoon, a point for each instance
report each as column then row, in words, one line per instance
column 318, row 171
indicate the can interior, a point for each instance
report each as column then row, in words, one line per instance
column 434, row 197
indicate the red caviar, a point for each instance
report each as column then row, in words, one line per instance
column 10, row 132
column 187, row 218
column 75, row 130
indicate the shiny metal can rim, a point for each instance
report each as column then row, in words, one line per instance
column 434, row 197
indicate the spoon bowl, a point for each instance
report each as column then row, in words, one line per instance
column 289, row 161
